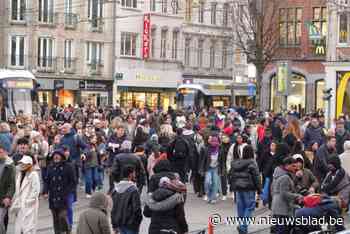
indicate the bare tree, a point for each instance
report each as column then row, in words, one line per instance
column 256, row 34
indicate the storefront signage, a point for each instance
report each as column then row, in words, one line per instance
column 146, row 35
column 19, row 84
column 58, row 84
column 93, row 85
column 143, row 77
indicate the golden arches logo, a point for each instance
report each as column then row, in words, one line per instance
column 320, row 50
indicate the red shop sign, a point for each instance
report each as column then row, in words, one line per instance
column 146, row 36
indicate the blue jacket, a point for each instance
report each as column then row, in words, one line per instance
column 6, row 141
column 75, row 144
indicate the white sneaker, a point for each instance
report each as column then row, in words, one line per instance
column 224, row 198
column 213, row 201
column 88, row 196
column 205, row 198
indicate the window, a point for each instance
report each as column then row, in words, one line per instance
column 213, row 13
column 68, row 57
column 153, row 42
column 343, row 28
column 95, row 12
column 187, row 51
column 200, row 52
column 224, row 54
column 129, row 3
column 212, row 55
column 152, row 5
column 290, row 26
column 163, row 43
column 175, row 45
column 17, row 51
column 164, row 6
column 18, row 10
column 175, row 6
column 188, row 12
column 70, row 19
column 320, row 20
column 46, row 11
column 128, row 44
column 225, row 15
column 201, row 12
column 94, row 52
column 45, row 52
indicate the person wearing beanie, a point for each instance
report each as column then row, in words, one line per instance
column 209, row 167
column 337, row 181
column 305, row 181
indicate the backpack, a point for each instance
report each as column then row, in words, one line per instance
column 181, row 148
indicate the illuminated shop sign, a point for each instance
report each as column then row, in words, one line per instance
column 18, row 84
column 146, row 35
column 143, row 77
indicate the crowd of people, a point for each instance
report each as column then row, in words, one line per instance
column 290, row 163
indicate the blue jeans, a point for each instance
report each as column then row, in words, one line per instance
column 91, row 179
column 124, row 230
column 245, row 207
column 211, row 183
column 70, row 201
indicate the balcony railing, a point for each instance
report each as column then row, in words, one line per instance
column 47, row 64
column 95, row 67
column 70, row 20
column 96, row 24
column 48, row 19
column 69, row 65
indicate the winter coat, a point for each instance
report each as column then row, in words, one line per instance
column 267, row 165
column 223, row 151
column 94, row 220
column 230, row 154
column 320, row 168
column 313, row 135
column 283, row 193
column 244, row 176
column 345, row 157
column 61, row 181
column 341, row 140
column 161, row 169
column 113, row 147
column 172, row 218
column 189, row 137
column 91, row 158
column 337, row 184
column 124, row 159
column 7, row 180
column 180, row 151
column 25, row 203
column 305, row 182
column 126, row 211
column 6, row 140
column 75, row 145
column 205, row 160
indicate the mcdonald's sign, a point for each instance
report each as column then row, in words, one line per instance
column 320, row 50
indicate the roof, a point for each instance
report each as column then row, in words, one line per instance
column 5, row 73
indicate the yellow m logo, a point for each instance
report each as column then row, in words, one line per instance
column 320, row 50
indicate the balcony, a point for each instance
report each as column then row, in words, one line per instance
column 48, row 19
column 70, row 20
column 47, row 64
column 95, row 67
column 69, row 65
column 96, row 24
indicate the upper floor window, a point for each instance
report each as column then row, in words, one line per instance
column 343, row 28
column 68, row 54
column 225, row 14
column 129, row 3
column 164, row 6
column 128, row 44
column 94, row 52
column 200, row 52
column 45, row 52
column 152, row 5
column 224, row 54
column 201, row 12
column 18, row 8
column 319, row 20
column 17, row 51
column 290, row 26
column 213, row 13
column 212, row 55
column 175, row 44
column 46, row 11
column 187, row 51
column 163, row 43
column 175, row 6
column 95, row 12
column 188, row 11
column 153, row 42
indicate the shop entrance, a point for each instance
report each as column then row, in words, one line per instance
column 95, row 98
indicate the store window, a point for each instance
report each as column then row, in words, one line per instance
column 320, row 86
column 296, row 97
column 45, row 97
column 290, row 26
column 65, row 97
column 128, row 44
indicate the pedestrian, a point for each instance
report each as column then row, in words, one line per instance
column 245, row 181
column 126, row 213
column 21, row 150
column 341, row 135
column 224, row 148
column 284, row 196
column 25, row 203
column 314, row 133
column 345, row 157
column 91, row 167
column 95, row 220
column 61, row 184
column 305, row 182
column 323, row 154
column 7, row 184
column 161, row 169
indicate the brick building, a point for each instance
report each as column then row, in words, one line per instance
column 297, row 20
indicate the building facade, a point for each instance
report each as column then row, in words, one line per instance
column 302, row 46
column 66, row 44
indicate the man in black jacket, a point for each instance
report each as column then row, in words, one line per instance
column 322, row 156
column 126, row 158
column 126, row 213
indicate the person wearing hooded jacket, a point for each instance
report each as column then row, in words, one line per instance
column 126, row 213
column 94, row 220
column 305, row 181
column 161, row 169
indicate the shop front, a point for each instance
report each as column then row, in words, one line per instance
column 147, row 88
column 95, row 92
